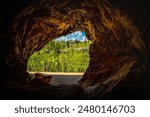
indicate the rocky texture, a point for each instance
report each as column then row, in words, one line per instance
column 119, row 59
column 37, row 90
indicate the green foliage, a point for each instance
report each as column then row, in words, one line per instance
column 61, row 56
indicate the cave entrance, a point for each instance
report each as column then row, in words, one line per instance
column 65, row 58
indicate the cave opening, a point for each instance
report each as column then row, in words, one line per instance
column 119, row 55
column 64, row 57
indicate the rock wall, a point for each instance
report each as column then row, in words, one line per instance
column 118, row 29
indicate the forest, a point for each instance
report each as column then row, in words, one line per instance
column 61, row 56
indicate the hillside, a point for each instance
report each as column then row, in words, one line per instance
column 61, row 56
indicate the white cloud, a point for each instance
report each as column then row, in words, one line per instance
column 73, row 36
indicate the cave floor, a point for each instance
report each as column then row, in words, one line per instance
column 59, row 78
column 62, row 87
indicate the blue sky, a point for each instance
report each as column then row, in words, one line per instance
column 80, row 36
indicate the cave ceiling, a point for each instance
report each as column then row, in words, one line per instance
column 118, row 30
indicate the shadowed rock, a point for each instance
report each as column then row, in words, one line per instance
column 119, row 53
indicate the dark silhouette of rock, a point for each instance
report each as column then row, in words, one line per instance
column 119, row 55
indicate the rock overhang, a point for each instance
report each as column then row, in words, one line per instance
column 117, row 53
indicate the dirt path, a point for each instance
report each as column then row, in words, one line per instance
column 62, row 78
